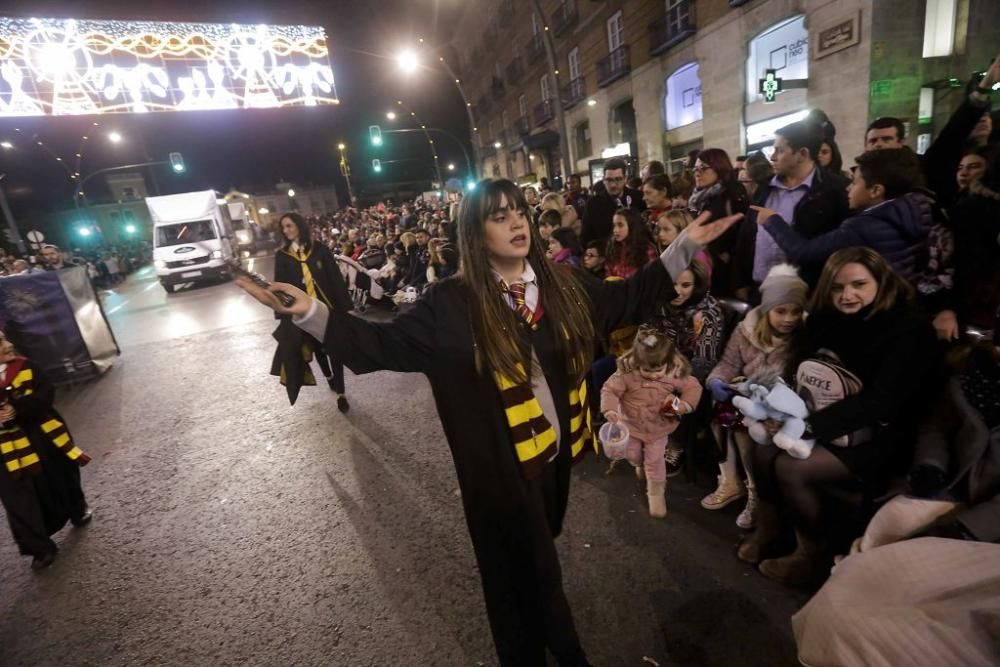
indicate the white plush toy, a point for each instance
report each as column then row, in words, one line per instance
column 779, row 403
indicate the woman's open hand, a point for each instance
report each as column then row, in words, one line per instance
column 267, row 297
column 704, row 230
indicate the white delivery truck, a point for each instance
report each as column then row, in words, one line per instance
column 192, row 238
column 244, row 229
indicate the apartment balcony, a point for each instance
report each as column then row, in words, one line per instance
column 497, row 89
column 676, row 25
column 515, row 70
column 543, row 113
column 574, row 92
column 564, row 17
column 613, row 66
column 535, row 48
column 522, row 126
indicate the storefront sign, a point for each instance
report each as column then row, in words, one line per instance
column 838, row 36
column 616, row 150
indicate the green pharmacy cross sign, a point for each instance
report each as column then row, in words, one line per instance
column 770, row 86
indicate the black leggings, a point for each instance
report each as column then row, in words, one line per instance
column 800, row 485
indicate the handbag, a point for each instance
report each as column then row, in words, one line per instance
column 823, row 381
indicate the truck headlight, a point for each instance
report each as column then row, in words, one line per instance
column 216, row 254
column 160, row 264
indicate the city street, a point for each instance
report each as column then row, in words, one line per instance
column 233, row 529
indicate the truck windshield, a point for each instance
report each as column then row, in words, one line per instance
column 185, row 232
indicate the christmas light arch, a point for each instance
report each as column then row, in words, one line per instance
column 66, row 67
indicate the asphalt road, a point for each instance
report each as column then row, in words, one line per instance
column 232, row 529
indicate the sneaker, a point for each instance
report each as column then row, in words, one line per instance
column 674, row 458
column 725, row 493
column 745, row 519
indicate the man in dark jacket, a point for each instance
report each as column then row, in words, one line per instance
column 601, row 209
column 890, row 217
column 807, row 199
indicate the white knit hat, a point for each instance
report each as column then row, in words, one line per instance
column 782, row 285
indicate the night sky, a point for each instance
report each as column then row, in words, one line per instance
column 254, row 149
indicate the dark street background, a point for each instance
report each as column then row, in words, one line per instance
column 232, row 529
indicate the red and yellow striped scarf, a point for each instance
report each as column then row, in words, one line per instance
column 18, row 454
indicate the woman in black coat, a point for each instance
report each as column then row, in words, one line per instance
column 862, row 313
column 513, row 431
column 312, row 268
column 718, row 191
column 40, row 469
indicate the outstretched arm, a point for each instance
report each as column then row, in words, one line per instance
column 403, row 344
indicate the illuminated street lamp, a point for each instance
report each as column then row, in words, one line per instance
column 114, row 137
column 341, row 146
column 451, row 166
column 291, row 192
column 391, row 115
column 130, row 229
column 6, row 145
column 497, row 144
column 407, row 61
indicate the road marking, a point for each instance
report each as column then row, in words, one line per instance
column 129, row 300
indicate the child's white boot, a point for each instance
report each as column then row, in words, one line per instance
column 657, row 494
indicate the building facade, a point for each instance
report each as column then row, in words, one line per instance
column 653, row 80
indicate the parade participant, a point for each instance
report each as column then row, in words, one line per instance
column 40, row 476
column 651, row 390
column 311, row 267
column 506, row 345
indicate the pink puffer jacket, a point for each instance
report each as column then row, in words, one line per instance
column 746, row 356
column 639, row 400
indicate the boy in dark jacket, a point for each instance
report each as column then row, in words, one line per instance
column 890, row 217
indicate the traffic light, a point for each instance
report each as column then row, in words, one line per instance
column 377, row 166
column 177, row 163
column 375, row 132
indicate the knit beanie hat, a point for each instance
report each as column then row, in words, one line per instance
column 782, row 285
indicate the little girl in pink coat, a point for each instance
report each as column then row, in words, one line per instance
column 651, row 390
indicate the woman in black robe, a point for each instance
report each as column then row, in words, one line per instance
column 514, row 502
column 312, row 268
column 40, row 465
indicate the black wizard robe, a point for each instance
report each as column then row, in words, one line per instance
column 512, row 520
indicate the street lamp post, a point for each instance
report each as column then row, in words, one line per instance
column 408, row 63
column 345, row 169
column 430, row 142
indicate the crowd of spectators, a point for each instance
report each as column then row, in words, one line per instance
column 107, row 265
column 886, row 278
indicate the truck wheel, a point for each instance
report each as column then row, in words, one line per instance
column 169, row 289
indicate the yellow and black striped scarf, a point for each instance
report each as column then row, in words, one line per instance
column 18, row 454
column 534, row 437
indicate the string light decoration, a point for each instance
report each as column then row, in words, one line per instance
column 63, row 67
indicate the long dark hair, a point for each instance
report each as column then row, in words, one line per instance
column 636, row 244
column 568, row 239
column 305, row 234
column 494, row 323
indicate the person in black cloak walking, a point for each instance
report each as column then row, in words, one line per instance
column 506, row 345
column 40, row 470
column 312, row 268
